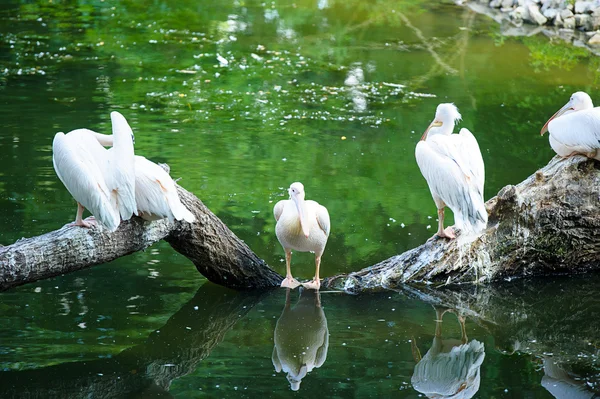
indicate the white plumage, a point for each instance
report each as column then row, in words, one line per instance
column 80, row 162
column 156, row 194
column 302, row 226
column 301, row 338
column 453, row 167
column 114, row 184
column 575, row 128
column 103, row 181
column 120, row 170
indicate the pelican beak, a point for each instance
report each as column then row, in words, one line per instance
column 301, row 207
column 558, row 113
column 435, row 123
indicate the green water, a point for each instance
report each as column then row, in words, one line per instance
column 274, row 110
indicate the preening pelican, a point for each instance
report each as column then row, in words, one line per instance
column 454, row 170
column 103, row 181
column 302, row 226
column 451, row 367
column 301, row 337
column 80, row 163
column 156, row 194
column 575, row 128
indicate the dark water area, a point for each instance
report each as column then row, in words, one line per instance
column 241, row 99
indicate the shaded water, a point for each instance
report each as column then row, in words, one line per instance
column 241, row 99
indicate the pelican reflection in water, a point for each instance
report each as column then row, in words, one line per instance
column 562, row 384
column 451, row 367
column 301, row 337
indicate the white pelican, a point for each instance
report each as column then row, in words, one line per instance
column 156, row 194
column 301, row 337
column 454, row 170
column 302, row 226
column 575, row 128
column 103, row 181
column 79, row 161
column 451, row 367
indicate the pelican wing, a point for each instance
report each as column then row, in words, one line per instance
column 156, row 193
column 448, row 177
column 468, row 149
column 278, row 209
column 79, row 161
column 579, row 130
column 322, row 216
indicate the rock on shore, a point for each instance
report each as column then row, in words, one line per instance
column 565, row 15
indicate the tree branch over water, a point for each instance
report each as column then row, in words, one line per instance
column 214, row 249
column 547, row 224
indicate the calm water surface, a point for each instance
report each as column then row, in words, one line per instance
column 241, row 99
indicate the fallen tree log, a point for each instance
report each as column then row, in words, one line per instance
column 215, row 250
column 548, row 224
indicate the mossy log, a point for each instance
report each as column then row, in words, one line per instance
column 214, row 249
column 547, row 224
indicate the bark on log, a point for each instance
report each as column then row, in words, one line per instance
column 145, row 370
column 548, row 224
column 215, row 250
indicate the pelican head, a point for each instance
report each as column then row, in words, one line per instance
column 296, row 192
column 120, row 125
column 446, row 115
column 578, row 101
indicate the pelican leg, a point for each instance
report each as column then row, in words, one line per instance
column 289, row 281
column 463, row 329
column 415, row 350
column 79, row 218
column 439, row 315
column 315, row 284
column 444, row 233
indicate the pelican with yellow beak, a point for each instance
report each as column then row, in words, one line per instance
column 454, row 170
column 575, row 128
column 301, row 226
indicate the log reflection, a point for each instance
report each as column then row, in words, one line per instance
column 146, row 370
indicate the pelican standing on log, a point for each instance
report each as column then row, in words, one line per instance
column 575, row 128
column 454, row 170
column 302, row 226
column 103, row 181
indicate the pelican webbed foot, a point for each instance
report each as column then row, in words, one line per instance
column 312, row 285
column 89, row 222
column 290, row 282
column 448, row 232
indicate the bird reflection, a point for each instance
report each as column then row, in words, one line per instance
column 450, row 369
column 561, row 384
column 301, row 337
